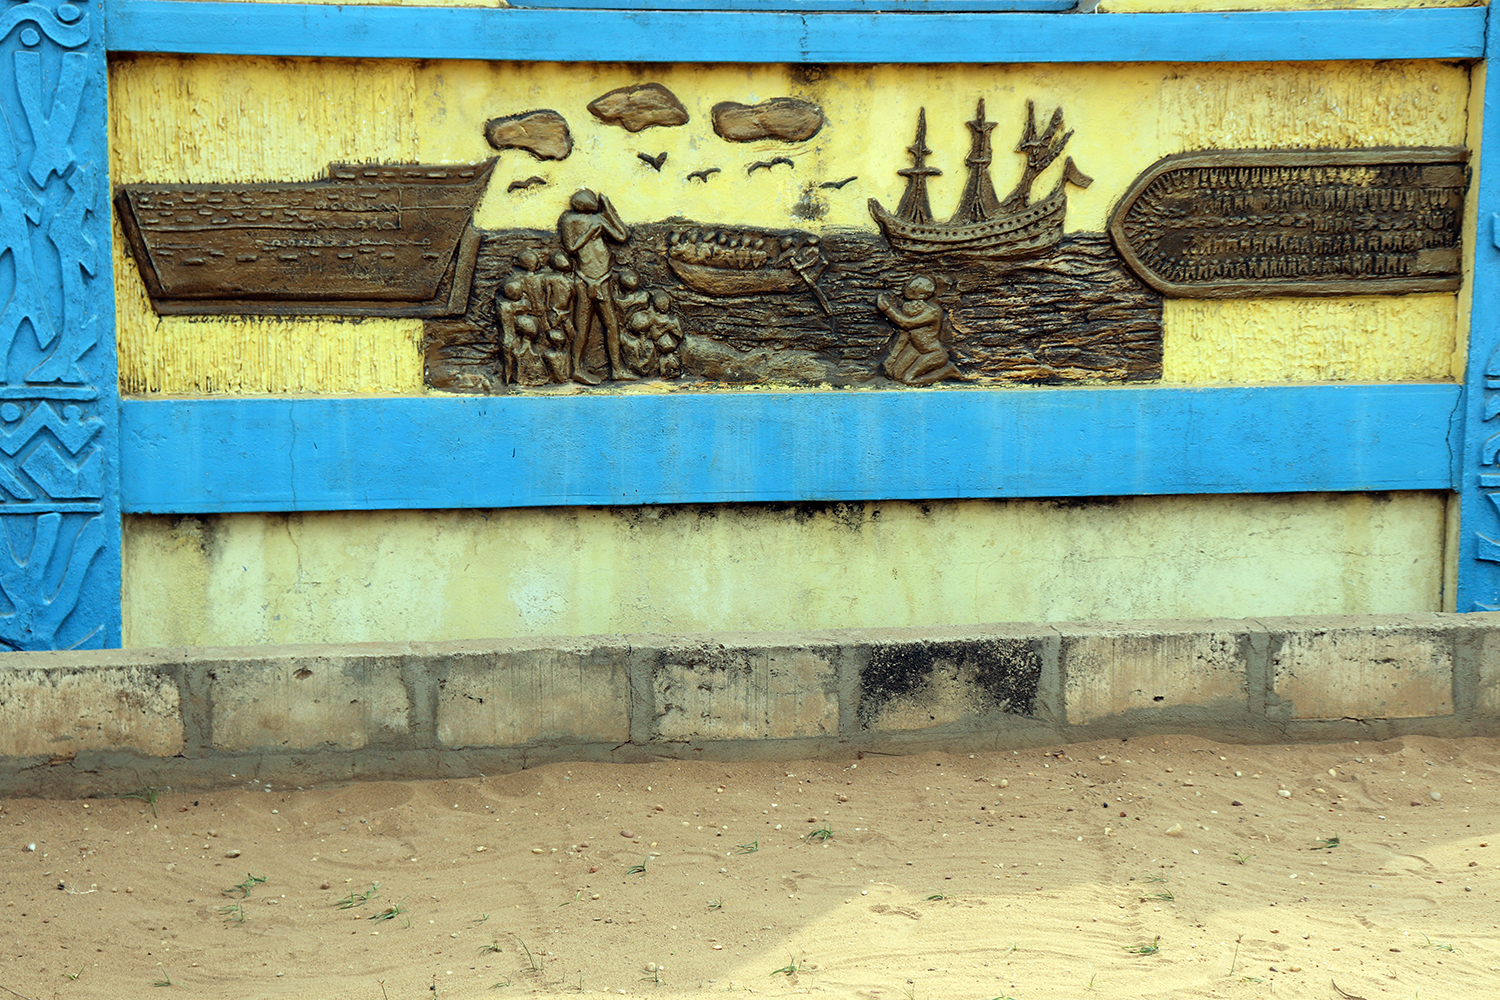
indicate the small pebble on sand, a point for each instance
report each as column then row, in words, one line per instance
column 627, row 834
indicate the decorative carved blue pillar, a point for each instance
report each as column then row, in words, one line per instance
column 59, row 503
column 1479, row 463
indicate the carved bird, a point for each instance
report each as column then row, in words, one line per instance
column 768, row 164
column 525, row 185
column 704, row 174
column 654, row 162
column 837, row 185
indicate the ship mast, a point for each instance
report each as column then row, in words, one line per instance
column 914, row 205
column 978, row 202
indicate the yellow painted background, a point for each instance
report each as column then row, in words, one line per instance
column 222, row 119
column 417, row 575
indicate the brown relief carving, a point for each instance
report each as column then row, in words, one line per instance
column 766, row 165
column 368, row 240
column 573, row 314
column 785, row 119
column 984, row 225
column 542, row 133
column 918, row 355
column 996, row 293
column 643, row 106
column 741, row 305
column 1224, row 224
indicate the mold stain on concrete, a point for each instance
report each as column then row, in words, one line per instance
column 910, row 685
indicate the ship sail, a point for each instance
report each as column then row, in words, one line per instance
column 914, row 206
column 983, row 225
column 978, row 203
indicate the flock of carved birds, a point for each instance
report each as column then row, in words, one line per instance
column 655, row 163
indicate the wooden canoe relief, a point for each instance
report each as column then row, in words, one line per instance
column 996, row 293
column 1232, row 223
column 367, row 240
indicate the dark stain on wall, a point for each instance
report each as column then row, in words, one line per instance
column 1004, row 673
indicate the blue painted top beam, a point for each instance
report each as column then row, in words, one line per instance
column 219, row 455
column 809, row 6
column 277, row 29
column 812, row 6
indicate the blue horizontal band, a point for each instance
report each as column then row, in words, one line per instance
column 277, row 29
column 267, row 454
column 811, row 6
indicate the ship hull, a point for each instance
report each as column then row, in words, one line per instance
column 1031, row 232
column 391, row 240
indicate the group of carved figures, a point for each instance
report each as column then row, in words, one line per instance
column 553, row 319
column 554, row 313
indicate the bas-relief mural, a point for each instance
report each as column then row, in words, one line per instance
column 58, row 528
column 996, row 292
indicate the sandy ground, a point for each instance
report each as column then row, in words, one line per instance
column 1157, row 867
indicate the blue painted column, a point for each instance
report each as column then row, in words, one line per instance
column 59, row 503
column 1479, row 483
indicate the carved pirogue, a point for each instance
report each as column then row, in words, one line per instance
column 1231, row 223
column 391, row 240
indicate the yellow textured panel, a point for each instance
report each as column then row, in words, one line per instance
column 178, row 118
column 219, row 118
column 1314, row 104
column 1376, row 338
column 1124, row 117
column 416, row 575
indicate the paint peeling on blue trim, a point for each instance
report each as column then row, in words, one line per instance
column 267, row 454
column 356, row 32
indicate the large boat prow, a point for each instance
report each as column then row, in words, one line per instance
column 367, row 239
column 984, row 225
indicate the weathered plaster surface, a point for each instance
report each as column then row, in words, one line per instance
column 1372, row 338
column 1147, row 668
column 343, row 705
column 414, row 575
column 709, row 692
column 570, row 690
column 1389, row 672
column 63, row 713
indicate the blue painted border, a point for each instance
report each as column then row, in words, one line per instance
column 1479, row 479
column 59, row 499
column 214, row 455
column 812, row 6
column 277, row 29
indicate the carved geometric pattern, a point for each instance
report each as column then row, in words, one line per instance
column 57, row 400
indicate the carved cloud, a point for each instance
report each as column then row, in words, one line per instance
column 542, row 133
column 641, row 106
column 786, row 119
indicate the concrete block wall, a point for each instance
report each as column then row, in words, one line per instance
column 110, row 721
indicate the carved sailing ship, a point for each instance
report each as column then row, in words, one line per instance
column 368, row 239
column 984, row 225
